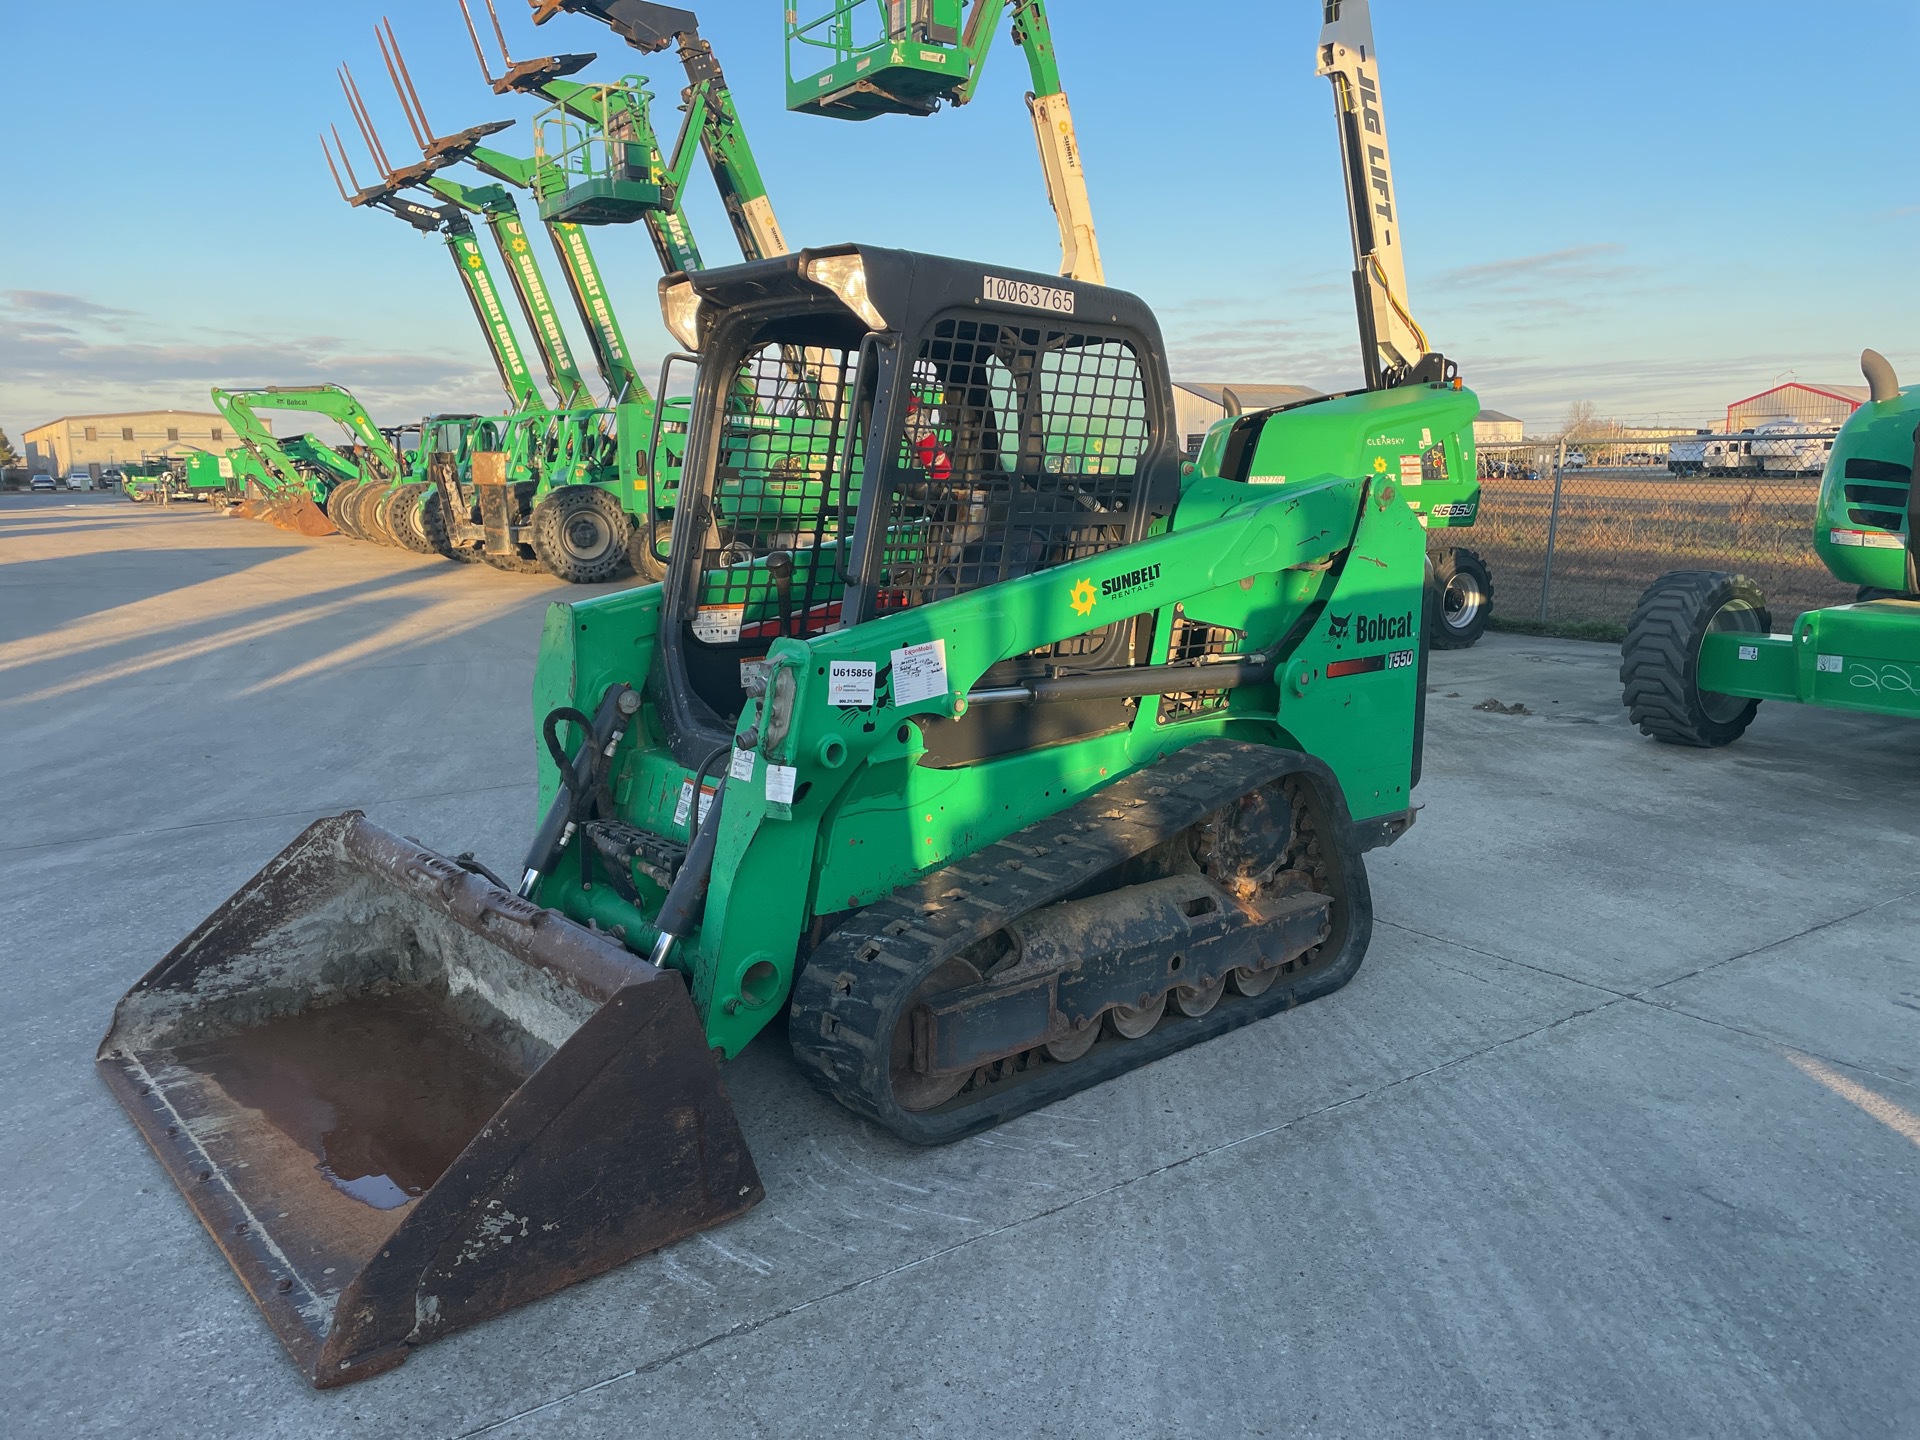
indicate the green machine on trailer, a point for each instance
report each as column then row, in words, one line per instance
column 1700, row 653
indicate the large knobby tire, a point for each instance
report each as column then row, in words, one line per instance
column 640, row 554
column 381, row 512
column 340, row 509
column 404, row 517
column 1660, row 658
column 580, row 533
column 431, row 517
column 360, row 511
column 521, row 562
column 1462, row 599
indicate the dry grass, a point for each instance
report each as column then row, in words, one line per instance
column 1619, row 530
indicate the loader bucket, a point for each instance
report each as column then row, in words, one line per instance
column 402, row 1099
column 299, row 514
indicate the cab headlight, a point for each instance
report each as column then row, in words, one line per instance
column 846, row 277
column 680, row 309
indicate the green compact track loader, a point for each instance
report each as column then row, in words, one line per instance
column 1700, row 653
column 1014, row 761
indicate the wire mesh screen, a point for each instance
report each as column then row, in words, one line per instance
column 1194, row 641
column 779, row 485
column 1020, row 452
column 1574, row 530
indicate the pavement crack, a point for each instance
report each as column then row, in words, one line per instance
column 1746, row 954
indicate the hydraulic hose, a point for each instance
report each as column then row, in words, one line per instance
column 689, row 889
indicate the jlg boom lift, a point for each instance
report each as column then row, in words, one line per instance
column 1030, row 756
column 1393, row 348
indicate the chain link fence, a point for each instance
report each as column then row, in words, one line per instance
column 1574, row 529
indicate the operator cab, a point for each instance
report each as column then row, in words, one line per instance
column 1028, row 424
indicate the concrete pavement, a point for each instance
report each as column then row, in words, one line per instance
column 1616, row 1132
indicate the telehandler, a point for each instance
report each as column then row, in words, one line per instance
column 1020, row 757
column 1700, row 653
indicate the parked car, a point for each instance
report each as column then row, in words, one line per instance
column 80, row 480
column 42, row 482
column 1576, row 460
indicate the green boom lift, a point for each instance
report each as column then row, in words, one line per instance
column 1701, row 653
column 908, row 57
column 1023, row 762
column 1393, row 348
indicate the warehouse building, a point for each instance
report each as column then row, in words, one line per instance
column 1827, row 406
column 1197, row 404
column 1490, row 427
column 93, row 444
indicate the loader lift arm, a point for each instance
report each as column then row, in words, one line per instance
column 1393, row 347
column 921, row 56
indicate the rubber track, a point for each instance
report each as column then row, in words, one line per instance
column 1659, row 659
column 851, row 992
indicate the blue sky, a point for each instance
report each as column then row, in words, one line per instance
column 1657, row 208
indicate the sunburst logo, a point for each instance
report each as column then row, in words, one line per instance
column 474, row 262
column 1379, row 464
column 1083, row 597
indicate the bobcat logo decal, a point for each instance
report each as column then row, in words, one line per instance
column 1337, row 625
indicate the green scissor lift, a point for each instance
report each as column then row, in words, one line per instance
column 1701, row 653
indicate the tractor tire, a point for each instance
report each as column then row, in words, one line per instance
column 521, row 563
column 1660, row 658
column 580, row 533
column 360, row 512
column 1462, row 599
column 404, row 518
column 340, row 509
column 380, row 511
column 640, row 556
column 438, row 535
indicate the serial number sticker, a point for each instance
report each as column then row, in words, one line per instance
column 1266, row 479
column 1453, row 512
column 742, row 767
column 850, row 683
column 1399, row 659
column 1035, row 297
column 919, row 672
column 718, row 624
column 685, row 807
column 933, row 57
column 1830, row 664
column 780, row 780
column 1409, row 469
column 1749, row 652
